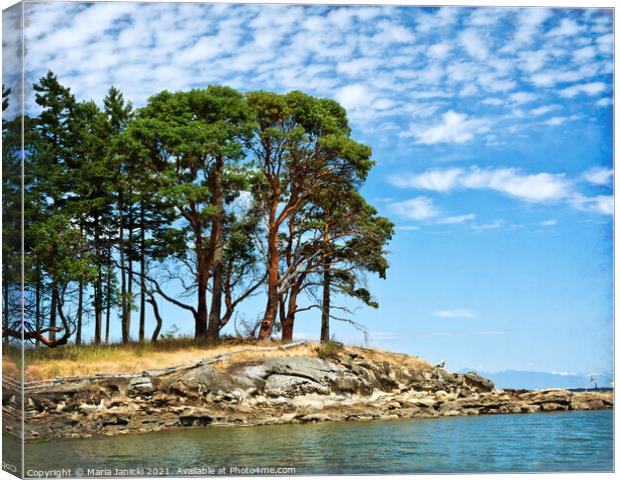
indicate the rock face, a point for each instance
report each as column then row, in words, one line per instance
column 287, row 389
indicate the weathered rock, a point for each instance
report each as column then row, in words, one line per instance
column 480, row 383
column 315, row 417
column 206, row 378
column 140, row 385
column 292, row 389
column 195, row 417
column 314, row 369
column 291, row 386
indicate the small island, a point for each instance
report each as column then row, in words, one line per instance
column 220, row 221
column 243, row 384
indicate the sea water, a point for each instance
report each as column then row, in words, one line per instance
column 575, row 441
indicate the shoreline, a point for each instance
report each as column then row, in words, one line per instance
column 350, row 384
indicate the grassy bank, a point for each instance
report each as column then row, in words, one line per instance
column 72, row 360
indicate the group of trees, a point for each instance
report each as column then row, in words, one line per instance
column 200, row 198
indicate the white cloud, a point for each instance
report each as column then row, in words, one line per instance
column 539, row 187
column 544, row 79
column 355, row 96
column 455, row 313
column 418, row 208
column 424, row 209
column 605, row 43
column 585, row 53
column 439, row 50
column 495, row 224
column 383, row 103
column 548, row 223
column 358, row 65
column 474, row 45
column 555, row 121
column 535, row 188
column 544, row 109
column 456, row 219
column 407, row 228
column 567, row 27
column 593, row 88
column 532, row 61
column 402, row 63
column 602, row 204
column 529, row 21
column 493, row 101
column 523, row 97
column 390, row 32
column 454, row 128
column 431, row 22
column 603, row 102
column 599, row 176
column 437, row 180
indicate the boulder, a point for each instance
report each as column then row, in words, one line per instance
column 140, row 385
column 479, row 382
column 206, row 379
column 348, row 383
column 313, row 369
column 291, row 386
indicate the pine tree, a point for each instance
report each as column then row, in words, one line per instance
column 119, row 113
column 301, row 145
column 186, row 141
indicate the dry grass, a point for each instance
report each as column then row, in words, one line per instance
column 376, row 355
column 305, row 350
column 71, row 360
column 10, row 366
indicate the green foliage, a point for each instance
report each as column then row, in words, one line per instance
column 194, row 183
column 329, row 349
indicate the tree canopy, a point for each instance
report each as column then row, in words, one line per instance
column 202, row 199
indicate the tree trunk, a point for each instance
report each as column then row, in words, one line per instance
column 289, row 320
column 5, row 312
column 216, row 300
column 98, row 306
column 108, row 303
column 327, row 279
column 158, row 319
column 37, row 303
column 217, row 247
column 130, row 268
column 142, row 272
column 53, row 306
column 98, row 286
column 273, row 277
column 78, row 333
column 282, row 308
column 201, row 315
column 121, row 248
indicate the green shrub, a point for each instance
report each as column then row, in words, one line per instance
column 329, row 349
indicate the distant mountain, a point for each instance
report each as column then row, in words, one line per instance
column 539, row 380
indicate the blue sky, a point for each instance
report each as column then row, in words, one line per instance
column 492, row 132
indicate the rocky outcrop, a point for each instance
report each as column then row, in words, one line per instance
column 287, row 389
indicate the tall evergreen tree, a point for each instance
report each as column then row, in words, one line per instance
column 187, row 139
column 119, row 113
column 301, row 145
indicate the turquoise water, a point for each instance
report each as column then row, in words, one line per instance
column 547, row 442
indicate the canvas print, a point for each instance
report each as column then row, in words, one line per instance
column 258, row 239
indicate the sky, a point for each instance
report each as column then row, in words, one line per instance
column 491, row 129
